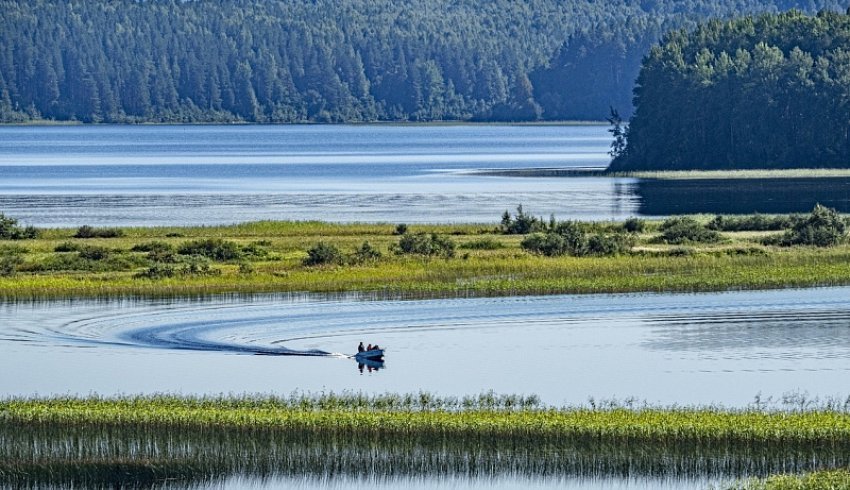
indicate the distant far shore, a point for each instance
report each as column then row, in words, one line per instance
column 48, row 122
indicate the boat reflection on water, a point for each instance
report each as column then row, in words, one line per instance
column 370, row 365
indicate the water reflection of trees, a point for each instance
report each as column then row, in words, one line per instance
column 49, row 455
column 743, row 196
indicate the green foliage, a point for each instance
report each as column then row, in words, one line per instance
column 572, row 238
column 324, row 254
column 634, row 225
column 10, row 230
column 756, row 222
column 87, row 231
column 89, row 252
column 763, row 92
column 482, row 244
column 681, row 230
column 520, row 223
column 365, row 253
column 400, row 229
column 10, row 260
column 824, row 227
column 425, row 244
column 211, row 248
column 158, row 251
column 277, row 61
column 819, row 480
column 67, row 247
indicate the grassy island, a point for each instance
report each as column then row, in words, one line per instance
column 426, row 260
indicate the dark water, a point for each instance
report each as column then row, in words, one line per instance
column 777, row 196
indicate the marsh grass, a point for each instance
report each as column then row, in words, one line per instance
column 96, row 441
column 821, row 480
column 272, row 255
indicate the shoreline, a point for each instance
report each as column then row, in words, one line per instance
column 696, row 175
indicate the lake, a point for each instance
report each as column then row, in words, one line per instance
column 789, row 347
column 67, row 176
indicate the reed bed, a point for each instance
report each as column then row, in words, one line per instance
column 821, row 480
column 107, row 442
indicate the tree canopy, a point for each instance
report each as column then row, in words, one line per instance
column 770, row 91
column 335, row 60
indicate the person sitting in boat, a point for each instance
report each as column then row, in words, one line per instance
column 360, row 347
column 369, row 347
column 375, row 347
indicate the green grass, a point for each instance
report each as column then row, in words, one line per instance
column 821, row 480
column 108, row 442
column 487, row 263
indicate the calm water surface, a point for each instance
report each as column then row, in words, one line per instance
column 662, row 348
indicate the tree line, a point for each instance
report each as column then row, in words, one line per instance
column 770, row 91
column 335, row 61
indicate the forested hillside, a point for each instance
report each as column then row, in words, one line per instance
column 765, row 92
column 335, row 60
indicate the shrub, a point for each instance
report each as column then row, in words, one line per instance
column 10, row 260
column 256, row 250
column 10, row 230
column 157, row 271
column 154, row 246
column 824, row 227
column 198, row 265
column 634, row 225
column 605, row 245
column 425, row 244
column 94, row 253
column 549, row 244
column 211, row 248
column 521, row 223
column 67, row 247
column 366, row 253
column 679, row 230
column 87, row 231
column 756, row 222
column 482, row 244
column 324, row 254
column 401, row 229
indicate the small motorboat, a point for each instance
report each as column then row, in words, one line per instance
column 370, row 355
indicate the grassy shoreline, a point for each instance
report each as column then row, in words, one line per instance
column 501, row 268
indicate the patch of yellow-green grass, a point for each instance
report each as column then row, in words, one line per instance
column 820, row 480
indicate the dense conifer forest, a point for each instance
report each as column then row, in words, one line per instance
column 766, row 92
column 335, row 60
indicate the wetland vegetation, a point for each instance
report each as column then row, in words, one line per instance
column 148, row 439
column 522, row 255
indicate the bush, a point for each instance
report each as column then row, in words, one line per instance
column 756, row 222
column 324, row 254
column 634, row 225
column 680, row 230
column 87, row 231
column 198, row 265
column 401, row 229
column 154, row 246
column 426, row 245
column 94, row 253
column 366, row 253
column 157, row 271
column 549, row 244
column 521, row 223
column 10, row 260
column 211, row 248
column 67, row 247
column 256, row 250
column 605, row 245
column 482, row 244
column 824, row 227
column 9, row 230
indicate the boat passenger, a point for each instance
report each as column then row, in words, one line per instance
column 360, row 347
column 375, row 347
column 369, row 347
